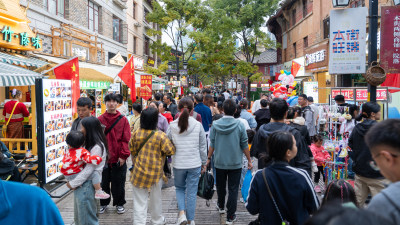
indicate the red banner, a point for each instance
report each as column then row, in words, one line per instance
column 390, row 39
column 361, row 94
column 146, row 84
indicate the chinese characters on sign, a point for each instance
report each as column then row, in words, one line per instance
column 361, row 94
column 24, row 39
column 347, row 41
column 315, row 57
column 390, row 35
column 146, row 86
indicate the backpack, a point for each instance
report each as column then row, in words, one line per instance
column 206, row 184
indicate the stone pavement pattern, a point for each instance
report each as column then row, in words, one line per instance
column 204, row 215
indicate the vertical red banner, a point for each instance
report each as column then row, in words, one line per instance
column 390, row 39
column 146, row 85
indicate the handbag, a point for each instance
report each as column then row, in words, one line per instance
column 206, row 187
column 4, row 128
column 284, row 222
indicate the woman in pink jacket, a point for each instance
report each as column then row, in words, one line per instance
column 320, row 155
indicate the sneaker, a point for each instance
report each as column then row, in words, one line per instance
column 100, row 194
column 231, row 220
column 317, row 189
column 182, row 220
column 220, row 210
column 102, row 209
column 192, row 223
column 241, row 200
column 215, row 188
column 120, row 209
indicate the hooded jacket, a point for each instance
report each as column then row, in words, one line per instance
column 228, row 137
column 387, row 203
column 263, row 116
column 360, row 153
column 259, row 145
column 191, row 145
column 118, row 138
column 298, row 123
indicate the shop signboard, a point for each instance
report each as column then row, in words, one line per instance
column 317, row 58
column 311, row 89
column 146, row 85
column 361, row 94
column 139, row 63
column 390, row 36
column 54, row 123
column 347, row 40
column 150, row 61
column 114, row 88
column 20, row 41
column 94, row 84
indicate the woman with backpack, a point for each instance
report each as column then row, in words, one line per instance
column 281, row 193
column 190, row 141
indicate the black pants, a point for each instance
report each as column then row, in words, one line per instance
column 233, row 177
column 117, row 177
column 317, row 174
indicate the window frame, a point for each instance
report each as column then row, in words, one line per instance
column 134, row 11
column 134, row 45
column 305, row 42
column 294, row 16
column 305, row 8
column 94, row 10
column 295, row 49
column 46, row 6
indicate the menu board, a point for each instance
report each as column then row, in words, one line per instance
column 57, row 119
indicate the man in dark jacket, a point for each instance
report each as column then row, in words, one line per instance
column 263, row 115
column 172, row 107
column 84, row 109
column 278, row 109
column 118, row 135
column 367, row 179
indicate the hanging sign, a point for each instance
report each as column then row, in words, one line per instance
column 390, row 36
column 146, row 84
column 53, row 126
column 94, row 84
column 361, row 94
column 347, row 40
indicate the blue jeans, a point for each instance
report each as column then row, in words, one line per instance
column 85, row 205
column 187, row 180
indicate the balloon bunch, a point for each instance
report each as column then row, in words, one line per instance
column 286, row 87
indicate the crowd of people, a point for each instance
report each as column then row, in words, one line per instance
column 181, row 139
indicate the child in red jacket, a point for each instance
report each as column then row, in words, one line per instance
column 320, row 155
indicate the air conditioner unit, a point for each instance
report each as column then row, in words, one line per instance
column 137, row 24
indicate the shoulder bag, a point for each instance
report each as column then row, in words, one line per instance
column 113, row 125
column 284, row 222
column 145, row 141
column 4, row 128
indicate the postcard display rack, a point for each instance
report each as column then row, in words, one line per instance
column 332, row 124
column 54, row 119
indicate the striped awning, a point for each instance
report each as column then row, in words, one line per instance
column 21, row 60
column 16, row 76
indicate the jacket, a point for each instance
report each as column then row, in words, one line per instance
column 206, row 116
column 25, row 204
column 162, row 124
column 298, row 123
column 263, row 116
column 173, row 108
column 292, row 190
column 308, row 114
column 319, row 153
column 250, row 118
column 360, row 153
column 168, row 116
column 6, row 168
column 228, row 138
column 118, row 138
column 19, row 113
column 191, row 145
column 387, row 203
column 302, row 159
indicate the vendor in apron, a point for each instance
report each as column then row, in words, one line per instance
column 14, row 112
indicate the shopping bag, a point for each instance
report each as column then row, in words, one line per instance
column 246, row 185
column 206, row 184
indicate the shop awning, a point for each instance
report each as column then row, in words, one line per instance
column 21, row 60
column 93, row 75
column 16, row 76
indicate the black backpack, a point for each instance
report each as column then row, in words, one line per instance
column 206, row 184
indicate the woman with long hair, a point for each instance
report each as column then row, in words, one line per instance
column 190, row 141
column 367, row 179
column 14, row 112
column 280, row 192
column 84, row 201
column 135, row 120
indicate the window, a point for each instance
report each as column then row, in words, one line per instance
column 326, row 28
column 294, row 49
column 134, row 11
column 293, row 17
column 56, row 7
column 305, row 8
column 93, row 17
column 305, row 42
column 146, row 46
column 145, row 15
column 134, row 44
column 116, row 29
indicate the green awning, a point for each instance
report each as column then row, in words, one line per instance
column 16, row 76
column 21, row 60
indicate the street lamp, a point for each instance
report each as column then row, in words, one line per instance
column 185, row 64
column 341, row 3
column 170, row 65
column 396, row 2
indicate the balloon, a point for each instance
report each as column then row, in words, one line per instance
column 292, row 101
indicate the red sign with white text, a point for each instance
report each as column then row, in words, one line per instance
column 390, row 39
column 146, row 85
column 361, row 94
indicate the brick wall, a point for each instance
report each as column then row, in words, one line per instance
column 106, row 23
column 36, row 2
column 78, row 12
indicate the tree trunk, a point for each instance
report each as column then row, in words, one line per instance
column 248, row 88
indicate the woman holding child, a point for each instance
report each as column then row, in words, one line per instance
column 84, row 193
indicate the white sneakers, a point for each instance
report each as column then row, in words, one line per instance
column 182, row 220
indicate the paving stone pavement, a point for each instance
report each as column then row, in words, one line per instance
column 204, row 215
